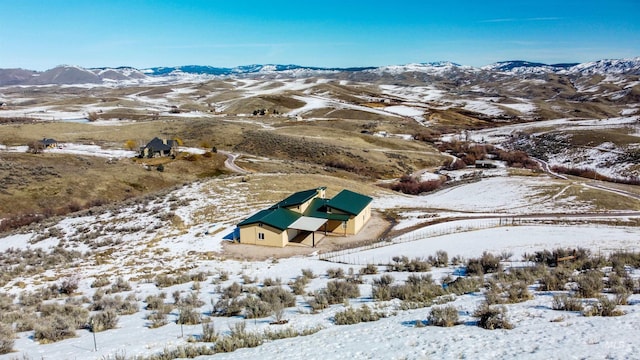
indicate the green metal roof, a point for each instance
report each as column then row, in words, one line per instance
column 349, row 202
column 298, row 198
column 278, row 218
column 318, row 209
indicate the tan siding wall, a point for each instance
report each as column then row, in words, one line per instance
column 360, row 220
column 272, row 237
column 354, row 224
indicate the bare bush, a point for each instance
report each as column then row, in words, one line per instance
column 103, row 320
column 338, row 291
column 417, row 289
column 603, row 307
column 209, row 333
column 69, row 285
column 7, row 338
column 157, row 319
column 156, row 302
column 487, row 263
column 369, row 269
column 464, row 285
column 445, row 316
column 555, row 279
column 297, row 285
column 126, row 306
column 277, row 295
column 54, row 328
column 335, row 273
column 492, row 317
column 403, row 263
column 100, row 282
column 413, row 186
column 354, row 316
column 319, row 301
column 256, row 308
column 308, row 273
column 564, row 302
column 188, row 316
column 119, row 286
column 590, row 284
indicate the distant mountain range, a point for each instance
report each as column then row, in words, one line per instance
column 68, row 75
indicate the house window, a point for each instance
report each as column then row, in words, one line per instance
column 260, row 236
column 260, row 224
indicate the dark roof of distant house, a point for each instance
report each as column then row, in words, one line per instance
column 279, row 218
column 298, row 198
column 157, row 144
column 318, row 209
column 46, row 141
column 349, row 202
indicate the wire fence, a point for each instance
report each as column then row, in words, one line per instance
column 340, row 256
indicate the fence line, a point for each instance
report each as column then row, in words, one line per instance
column 335, row 256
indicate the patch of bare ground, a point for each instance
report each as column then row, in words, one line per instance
column 372, row 231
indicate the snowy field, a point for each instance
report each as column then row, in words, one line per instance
column 145, row 240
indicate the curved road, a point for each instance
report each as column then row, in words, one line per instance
column 230, row 162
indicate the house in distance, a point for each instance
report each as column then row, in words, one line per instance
column 158, row 147
column 297, row 218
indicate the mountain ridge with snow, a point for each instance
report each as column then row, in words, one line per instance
column 67, row 74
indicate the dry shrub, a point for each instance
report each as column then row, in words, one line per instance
column 308, row 273
column 209, row 333
column 277, row 295
column 119, row 286
column 445, row 316
column 272, row 282
column 382, row 288
column 54, row 328
column 100, row 282
column 338, row 291
column 403, row 263
column 564, row 302
column 590, row 284
column 492, row 317
column 156, row 302
column 238, row 338
column 69, row 285
column 103, row 320
column 603, row 307
column 464, row 285
column 157, row 319
column 319, row 301
column 412, row 186
column 487, row 263
column 335, row 273
column 354, row 316
column 126, row 306
column 369, row 269
column 188, row 316
column 417, row 289
column 7, row 338
column 297, row 285
column 255, row 308
column 555, row 279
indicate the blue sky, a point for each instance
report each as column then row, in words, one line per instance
column 40, row 34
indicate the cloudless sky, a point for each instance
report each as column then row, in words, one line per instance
column 40, row 34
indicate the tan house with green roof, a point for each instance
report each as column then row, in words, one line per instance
column 297, row 218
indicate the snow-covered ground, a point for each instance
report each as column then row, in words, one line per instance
column 176, row 230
